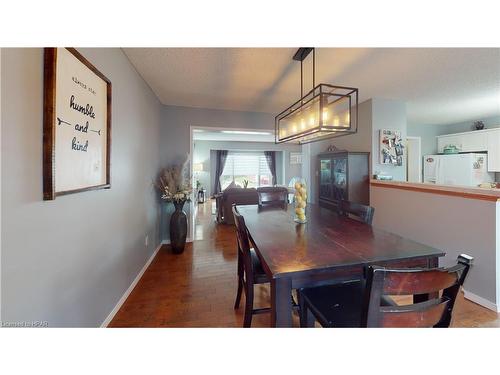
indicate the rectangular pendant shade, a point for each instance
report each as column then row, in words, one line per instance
column 327, row 111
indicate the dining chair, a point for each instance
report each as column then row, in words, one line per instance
column 360, row 211
column 271, row 196
column 250, row 271
column 368, row 303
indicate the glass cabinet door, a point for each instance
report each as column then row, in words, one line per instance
column 340, row 178
column 325, row 178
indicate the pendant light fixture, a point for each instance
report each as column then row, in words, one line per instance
column 327, row 111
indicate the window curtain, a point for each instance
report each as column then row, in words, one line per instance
column 271, row 163
column 219, row 168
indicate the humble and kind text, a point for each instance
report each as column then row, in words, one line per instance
column 86, row 110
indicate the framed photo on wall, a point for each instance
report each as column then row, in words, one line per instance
column 76, row 125
column 391, row 147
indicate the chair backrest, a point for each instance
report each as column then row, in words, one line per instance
column 361, row 211
column 243, row 242
column 241, row 231
column 434, row 312
column 273, row 196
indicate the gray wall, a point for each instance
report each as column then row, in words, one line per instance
column 428, row 133
column 387, row 114
column 69, row 261
column 202, row 154
column 439, row 221
column 176, row 122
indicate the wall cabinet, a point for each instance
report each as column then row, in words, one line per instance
column 475, row 141
column 343, row 175
column 449, row 140
column 465, row 142
column 494, row 151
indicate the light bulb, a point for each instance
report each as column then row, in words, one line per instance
column 294, row 128
column 335, row 120
column 325, row 115
column 347, row 118
column 311, row 121
column 302, row 123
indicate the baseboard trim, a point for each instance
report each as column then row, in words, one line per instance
column 123, row 298
column 481, row 301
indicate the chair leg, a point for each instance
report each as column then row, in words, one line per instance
column 306, row 317
column 247, row 320
column 240, row 283
column 238, row 294
column 302, row 308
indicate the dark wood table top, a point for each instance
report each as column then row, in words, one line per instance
column 326, row 241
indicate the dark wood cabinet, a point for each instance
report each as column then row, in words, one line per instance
column 343, row 175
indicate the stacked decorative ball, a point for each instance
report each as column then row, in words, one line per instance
column 300, row 202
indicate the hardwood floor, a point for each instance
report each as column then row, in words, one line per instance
column 198, row 288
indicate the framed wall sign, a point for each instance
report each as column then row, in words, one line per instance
column 76, row 125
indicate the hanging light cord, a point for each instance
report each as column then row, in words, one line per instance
column 301, row 82
column 302, row 75
column 314, row 68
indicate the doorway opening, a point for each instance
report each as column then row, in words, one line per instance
column 245, row 154
column 413, row 159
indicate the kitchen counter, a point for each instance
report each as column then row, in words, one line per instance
column 488, row 194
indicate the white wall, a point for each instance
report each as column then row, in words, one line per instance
column 70, row 260
column 452, row 224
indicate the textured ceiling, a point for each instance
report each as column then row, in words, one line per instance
column 439, row 85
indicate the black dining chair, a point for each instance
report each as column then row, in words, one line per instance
column 368, row 303
column 359, row 211
column 250, row 271
column 270, row 196
column 347, row 208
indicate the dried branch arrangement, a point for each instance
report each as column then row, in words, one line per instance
column 174, row 182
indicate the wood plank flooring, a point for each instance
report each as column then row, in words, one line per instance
column 197, row 288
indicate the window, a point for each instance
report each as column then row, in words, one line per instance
column 251, row 166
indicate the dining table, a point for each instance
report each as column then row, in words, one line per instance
column 328, row 248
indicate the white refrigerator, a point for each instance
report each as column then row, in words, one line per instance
column 457, row 169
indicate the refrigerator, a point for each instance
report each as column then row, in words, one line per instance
column 457, row 169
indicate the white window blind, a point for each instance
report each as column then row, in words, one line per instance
column 250, row 166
